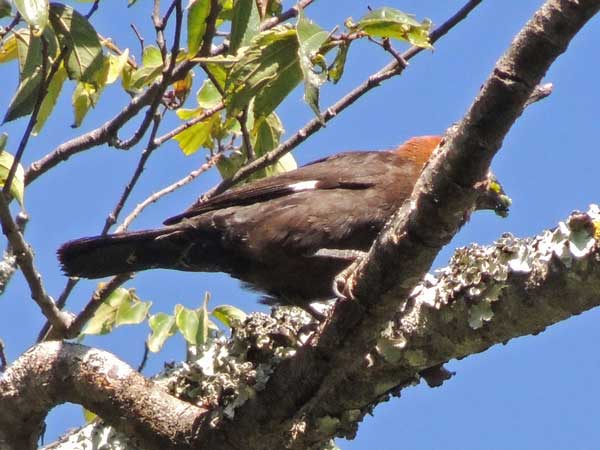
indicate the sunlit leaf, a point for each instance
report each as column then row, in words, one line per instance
column 35, row 13
column 162, row 326
column 120, row 308
column 53, row 91
column 88, row 415
column 152, row 66
column 336, row 70
column 132, row 311
column 83, row 50
column 17, row 187
column 245, row 24
column 199, row 135
column 8, row 49
column 188, row 324
column 229, row 315
column 392, row 23
column 198, row 11
column 116, row 65
column 85, row 97
column 208, row 95
column 310, row 38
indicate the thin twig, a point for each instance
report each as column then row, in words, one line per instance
column 3, row 361
column 140, row 38
column 92, row 9
column 243, row 121
column 25, row 261
column 8, row 265
column 184, row 126
column 387, row 72
column 4, row 31
column 286, row 15
column 387, row 46
column 211, row 27
column 159, row 28
column 167, row 190
column 94, row 303
column 167, row 72
column 113, row 216
column 60, row 304
column 144, row 358
column 165, row 19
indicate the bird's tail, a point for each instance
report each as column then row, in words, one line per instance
column 101, row 256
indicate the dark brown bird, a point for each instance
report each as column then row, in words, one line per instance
column 267, row 233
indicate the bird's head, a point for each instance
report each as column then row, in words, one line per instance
column 490, row 193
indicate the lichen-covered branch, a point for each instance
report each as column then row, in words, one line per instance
column 485, row 296
column 405, row 250
column 53, row 372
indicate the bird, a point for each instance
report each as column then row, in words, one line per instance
column 286, row 236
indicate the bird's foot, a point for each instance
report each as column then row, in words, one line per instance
column 345, row 281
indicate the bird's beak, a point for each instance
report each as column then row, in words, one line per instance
column 492, row 196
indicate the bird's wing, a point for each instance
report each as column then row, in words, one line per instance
column 262, row 192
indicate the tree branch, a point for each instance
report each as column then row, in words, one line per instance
column 515, row 287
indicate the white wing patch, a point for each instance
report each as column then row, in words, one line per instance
column 304, row 185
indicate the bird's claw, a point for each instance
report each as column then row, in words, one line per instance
column 344, row 282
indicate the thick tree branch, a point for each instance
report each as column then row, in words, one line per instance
column 53, row 372
column 486, row 296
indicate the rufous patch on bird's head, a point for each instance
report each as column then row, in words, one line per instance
column 419, row 148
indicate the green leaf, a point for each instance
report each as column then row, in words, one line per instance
column 245, row 24
column 83, row 55
column 152, row 66
column 265, row 135
column 88, row 415
column 310, row 38
column 269, row 68
column 198, row 11
column 336, row 70
column 53, row 91
column 132, row 311
column 24, row 99
column 5, row 8
column 85, row 96
column 163, row 327
column 120, row 308
column 116, row 65
column 35, row 13
column 392, row 23
column 229, row 315
column 193, row 324
column 199, row 135
column 8, row 49
column 3, row 141
column 208, row 95
column 17, row 187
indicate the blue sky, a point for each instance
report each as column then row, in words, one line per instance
column 534, row 393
